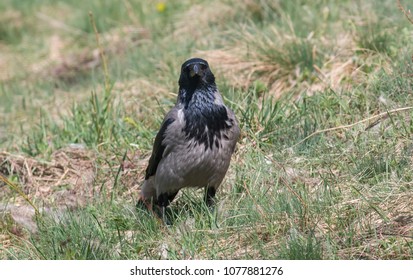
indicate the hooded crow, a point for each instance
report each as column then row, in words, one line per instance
column 194, row 145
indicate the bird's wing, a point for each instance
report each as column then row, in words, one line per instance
column 234, row 127
column 159, row 146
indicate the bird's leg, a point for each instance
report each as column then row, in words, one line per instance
column 209, row 197
column 171, row 196
column 163, row 201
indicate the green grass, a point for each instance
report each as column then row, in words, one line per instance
column 315, row 174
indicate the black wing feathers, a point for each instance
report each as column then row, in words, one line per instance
column 158, row 149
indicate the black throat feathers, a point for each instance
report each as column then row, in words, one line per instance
column 205, row 121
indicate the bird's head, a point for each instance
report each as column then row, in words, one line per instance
column 195, row 73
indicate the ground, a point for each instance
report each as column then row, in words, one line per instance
column 322, row 91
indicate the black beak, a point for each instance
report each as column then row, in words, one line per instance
column 195, row 70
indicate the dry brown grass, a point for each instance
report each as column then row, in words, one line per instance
column 66, row 179
column 241, row 65
column 380, row 225
column 63, row 62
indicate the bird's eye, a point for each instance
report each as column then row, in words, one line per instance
column 203, row 67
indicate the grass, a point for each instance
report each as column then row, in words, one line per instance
column 322, row 92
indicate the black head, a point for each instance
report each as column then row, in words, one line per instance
column 195, row 73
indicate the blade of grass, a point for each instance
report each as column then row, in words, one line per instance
column 20, row 192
